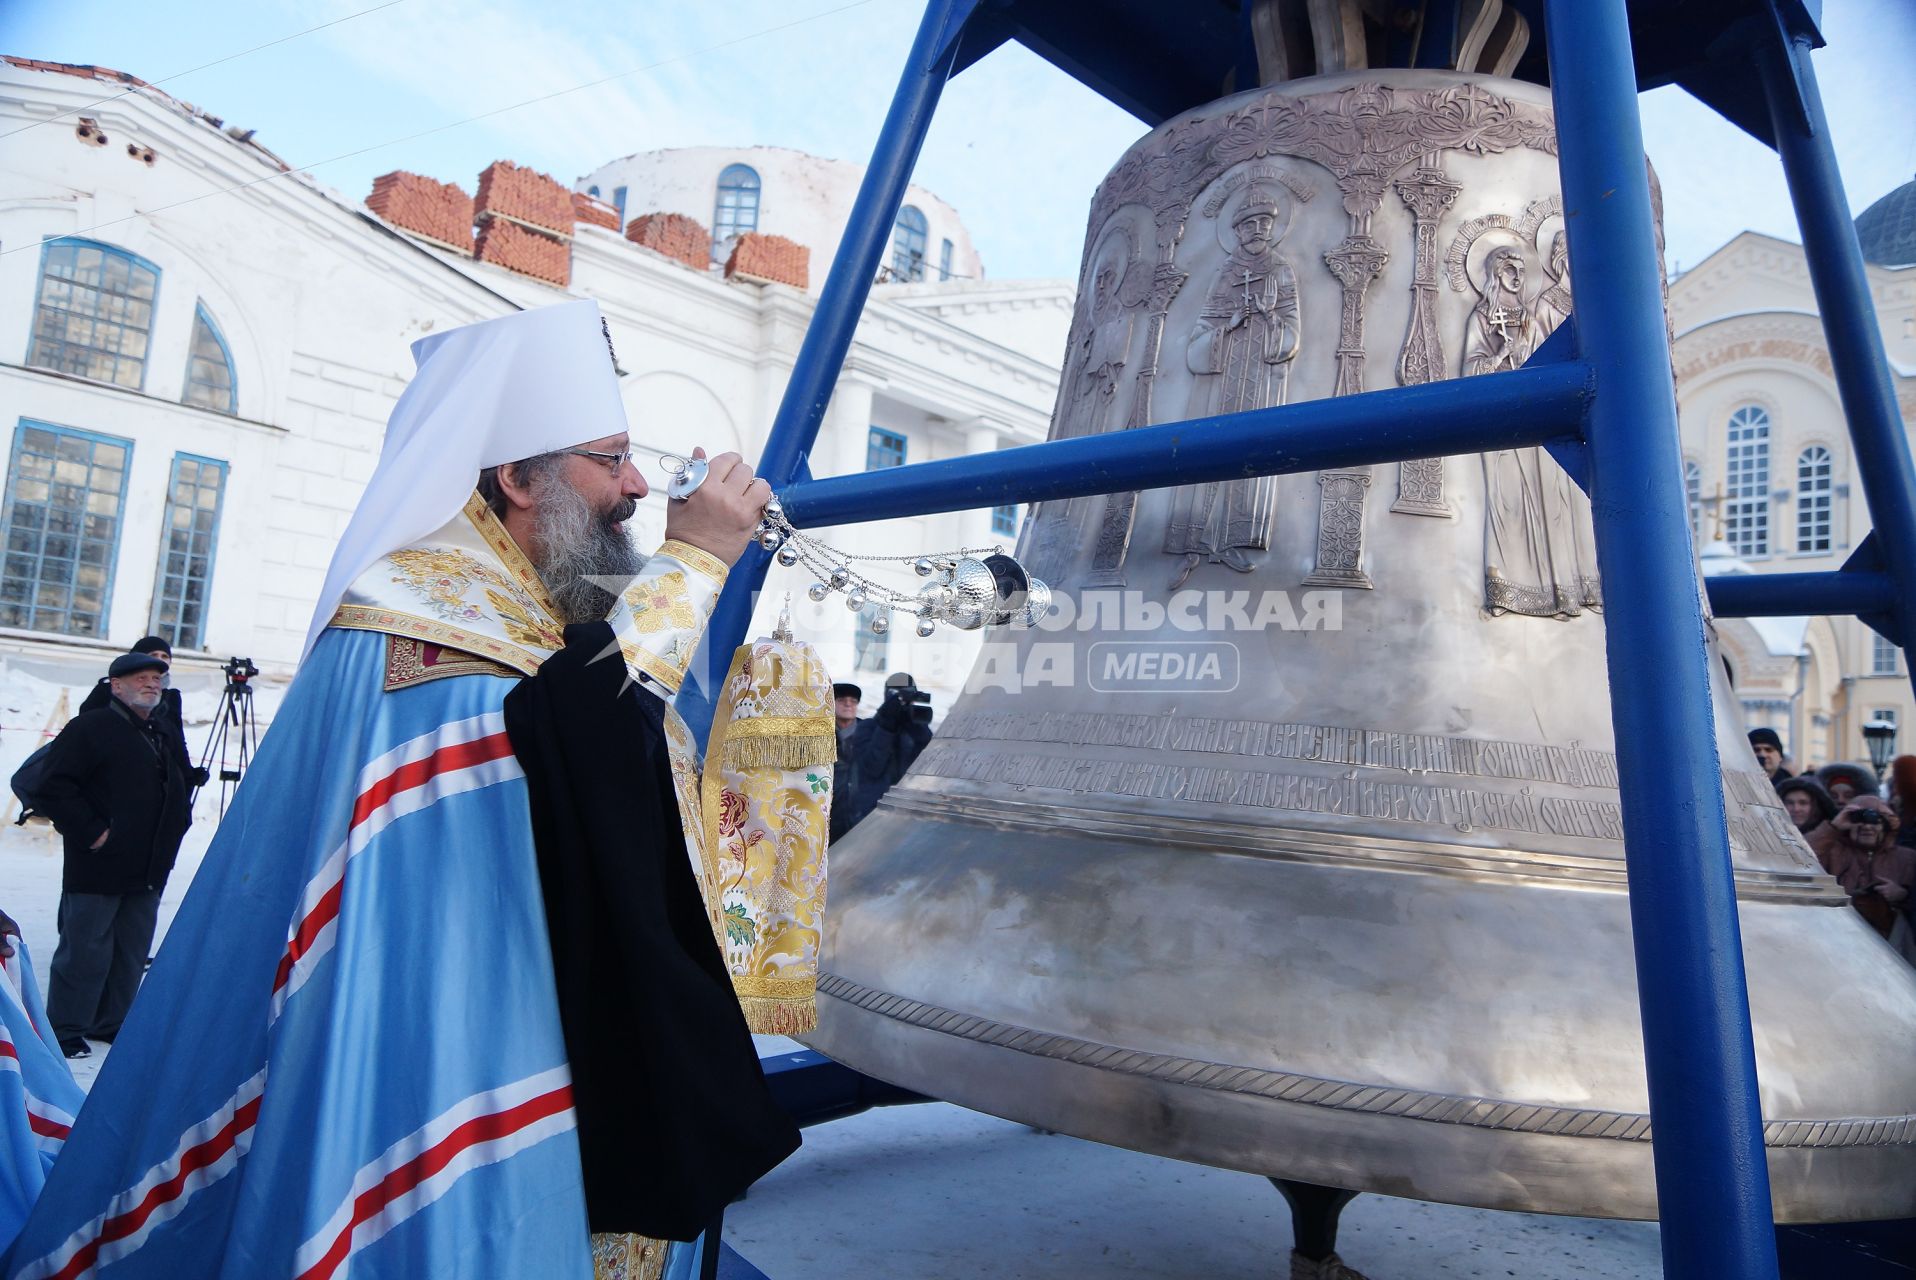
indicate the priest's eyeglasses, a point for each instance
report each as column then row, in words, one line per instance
column 613, row 461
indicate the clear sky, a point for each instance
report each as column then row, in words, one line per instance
column 1017, row 146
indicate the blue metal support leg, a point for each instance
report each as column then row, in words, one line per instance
column 829, row 335
column 1712, row 1183
column 1849, row 314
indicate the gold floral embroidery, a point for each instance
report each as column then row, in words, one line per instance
column 765, row 808
column 443, row 578
column 525, row 623
column 692, row 558
column 622, row 1256
column 660, row 604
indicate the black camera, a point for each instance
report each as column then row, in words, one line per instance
column 239, row 670
column 1866, row 818
column 904, row 691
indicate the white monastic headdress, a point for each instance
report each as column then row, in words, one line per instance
column 482, row 395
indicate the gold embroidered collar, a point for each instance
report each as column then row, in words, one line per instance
column 467, row 587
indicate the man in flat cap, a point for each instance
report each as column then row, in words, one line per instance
column 116, row 791
column 446, row 997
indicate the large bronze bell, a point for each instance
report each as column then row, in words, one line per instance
column 1345, row 903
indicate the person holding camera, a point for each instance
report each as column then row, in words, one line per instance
column 115, row 788
column 1858, row 846
column 879, row 749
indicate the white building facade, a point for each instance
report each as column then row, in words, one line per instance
column 778, row 191
column 1773, row 485
column 196, row 386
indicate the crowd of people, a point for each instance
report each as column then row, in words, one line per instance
column 1863, row 838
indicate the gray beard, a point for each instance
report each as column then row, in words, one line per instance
column 578, row 552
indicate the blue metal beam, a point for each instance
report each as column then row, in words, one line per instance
column 1790, row 595
column 1849, row 313
column 1712, row 1182
column 829, row 336
column 1499, row 411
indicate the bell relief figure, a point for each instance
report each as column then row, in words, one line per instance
column 1553, row 304
column 1539, row 556
column 1241, row 351
column 1097, row 358
column 1093, row 396
column 1501, row 333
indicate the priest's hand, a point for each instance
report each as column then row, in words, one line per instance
column 721, row 514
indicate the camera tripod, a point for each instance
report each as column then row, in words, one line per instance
column 235, row 732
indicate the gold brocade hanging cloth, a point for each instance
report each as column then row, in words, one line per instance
column 766, row 797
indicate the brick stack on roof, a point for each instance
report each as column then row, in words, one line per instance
column 525, row 196
column 768, row 259
column 594, row 212
column 437, row 211
column 509, row 245
column 525, row 222
column 674, row 235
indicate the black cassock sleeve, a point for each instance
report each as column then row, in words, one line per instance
column 675, row 1119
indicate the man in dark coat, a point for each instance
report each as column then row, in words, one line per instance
column 116, row 792
column 169, row 715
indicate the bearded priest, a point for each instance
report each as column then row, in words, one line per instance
column 444, row 998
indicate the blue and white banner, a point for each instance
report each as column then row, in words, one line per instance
column 347, row 1059
column 38, row 1098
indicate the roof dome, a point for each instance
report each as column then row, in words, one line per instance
column 1888, row 229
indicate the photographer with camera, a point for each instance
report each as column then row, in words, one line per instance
column 1858, row 846
column 874, row 753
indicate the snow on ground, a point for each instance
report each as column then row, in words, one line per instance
column 30, row 856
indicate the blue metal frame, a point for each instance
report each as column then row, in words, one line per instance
column 47, row 246
column 1713, row 1183
column 119, row 516
column 201, row 316
column 1607, row 411
column 212, row 552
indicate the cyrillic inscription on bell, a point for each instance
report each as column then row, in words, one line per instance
column 1292, row 844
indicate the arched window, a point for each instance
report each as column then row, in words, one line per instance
column 1813, row 499
column 908, row 239
column 737, row 209
column 1747, row 504
column 1693, row 494
column 94, row 317
column 209, row 367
